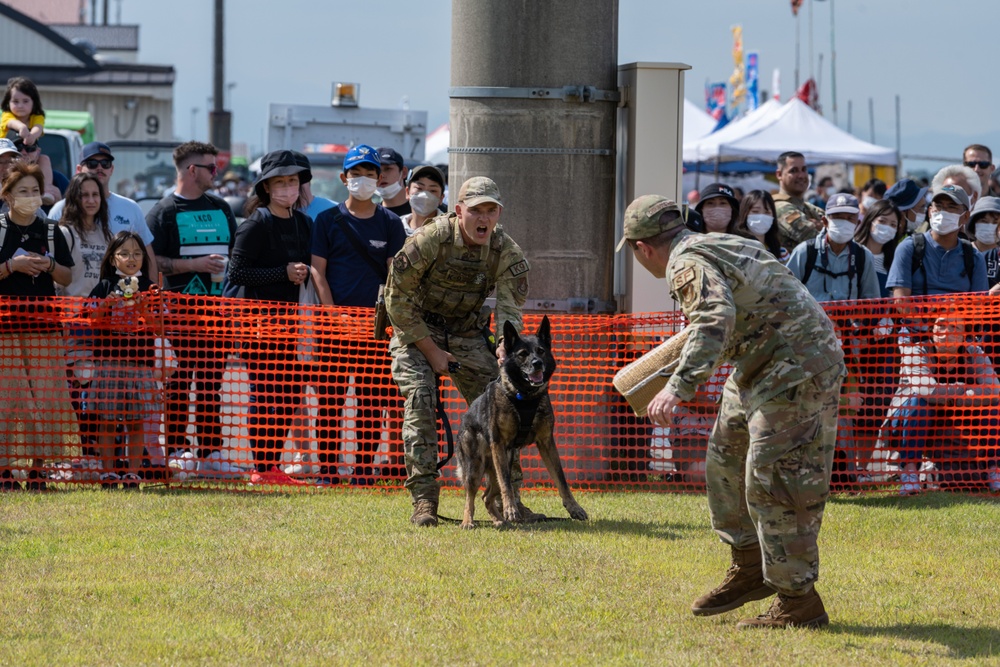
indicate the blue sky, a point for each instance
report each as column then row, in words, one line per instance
column 940, row 62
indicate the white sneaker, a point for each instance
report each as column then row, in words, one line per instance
column 911, row 484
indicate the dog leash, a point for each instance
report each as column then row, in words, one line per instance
column 442, row 415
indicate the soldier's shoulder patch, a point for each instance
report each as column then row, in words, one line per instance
column 522, row 286
column 519, row 268
column 401, row 262
column 684, row 277
column 792, row 215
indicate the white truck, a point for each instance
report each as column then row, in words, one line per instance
column 326, row 133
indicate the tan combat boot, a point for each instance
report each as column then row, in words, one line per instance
column 425, row 513
column 744, row 583
column 787, row 612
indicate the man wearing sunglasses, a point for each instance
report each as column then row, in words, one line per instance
column 124, row 215
column 979, row 158
column 193, row 233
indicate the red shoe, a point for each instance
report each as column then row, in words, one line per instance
column 275, row 476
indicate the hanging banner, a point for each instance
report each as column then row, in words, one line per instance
column 737, row 81
column 753, row 74
column 715, row 99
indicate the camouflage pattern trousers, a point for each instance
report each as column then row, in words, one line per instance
column 417, row 383
column 769, row 476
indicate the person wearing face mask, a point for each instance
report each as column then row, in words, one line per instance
column 37, row 420
column 756, row 221
column 880, row 231
column 352, row 246
column 982, row 229
column 833, row 266
column 717, row 206
column 270, row 258
column 425, row 191
column 911, row 200
column 872, row 191
column 938, row 261
column 391, row 181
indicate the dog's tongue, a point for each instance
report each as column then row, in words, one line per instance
column 536, row 378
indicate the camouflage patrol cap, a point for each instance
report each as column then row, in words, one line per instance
column 642, row 218
column 478, row 190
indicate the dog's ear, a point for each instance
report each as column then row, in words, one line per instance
column 510, row 337
column 544, row 332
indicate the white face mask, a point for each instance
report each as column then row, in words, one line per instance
column 986, row 233
column 389, row 191
column 911, row 225
column 361, row 187
column 868, row 202
column 424, row 203
column 759, row 223
column 944, row 222
column 883, row 233
column 717, row 219
column 840, row 231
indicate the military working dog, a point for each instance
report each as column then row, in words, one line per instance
column 512, row 413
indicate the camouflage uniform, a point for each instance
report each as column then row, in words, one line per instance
column 798, row 220
column 437, row 286
column 771, row 450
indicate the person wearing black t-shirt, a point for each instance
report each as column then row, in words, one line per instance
column 37, row 419
column 271, row 261
column 392, row 181
column 193, row 234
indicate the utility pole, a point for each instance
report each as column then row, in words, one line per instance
column 220, row 120
column 534, row 100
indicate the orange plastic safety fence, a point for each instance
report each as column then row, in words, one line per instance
column 180, row 389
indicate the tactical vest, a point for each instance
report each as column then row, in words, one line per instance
column 453, row 290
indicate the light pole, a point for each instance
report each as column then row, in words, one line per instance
column 229, row 94
column 194, row 115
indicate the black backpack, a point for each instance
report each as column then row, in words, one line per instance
column 920, row 248
column 855, row 267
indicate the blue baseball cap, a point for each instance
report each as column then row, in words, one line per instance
column 362, row 154
column 95, row 148
column 905, row 194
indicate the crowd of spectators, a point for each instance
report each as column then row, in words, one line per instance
column 274, row 241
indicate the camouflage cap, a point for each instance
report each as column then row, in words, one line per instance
column 642, row 218
column 478, row 190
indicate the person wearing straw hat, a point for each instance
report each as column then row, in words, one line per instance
column 771, row 449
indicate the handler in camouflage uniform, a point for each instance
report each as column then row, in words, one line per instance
column 434, row 298
column 771, row 450
column 798, row 220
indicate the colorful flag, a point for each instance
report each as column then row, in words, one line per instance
column 753, row 74
column 737, row 80
column 715, row 99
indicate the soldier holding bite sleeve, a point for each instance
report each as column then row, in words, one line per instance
column 434, row 298
column 771, row 449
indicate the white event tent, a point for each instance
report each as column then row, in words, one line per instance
column 775, row 128
column 697, row 123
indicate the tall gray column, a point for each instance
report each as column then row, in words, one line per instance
column 533, row 102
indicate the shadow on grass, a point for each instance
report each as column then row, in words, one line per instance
column 963, row 642
column 935, row 500
column 653, row 529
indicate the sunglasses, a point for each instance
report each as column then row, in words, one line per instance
column 29, row 149
column 982, row 164
column 94, row 164
column 213, row 169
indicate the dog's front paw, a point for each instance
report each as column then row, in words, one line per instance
column 577, row 512
column 512, row 514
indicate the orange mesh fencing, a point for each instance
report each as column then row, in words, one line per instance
column 180, row 389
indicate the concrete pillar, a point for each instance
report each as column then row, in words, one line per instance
column 551, row 153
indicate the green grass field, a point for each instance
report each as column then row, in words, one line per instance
column 203, row 577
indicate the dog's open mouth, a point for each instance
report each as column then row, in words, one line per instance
column 536, row 379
